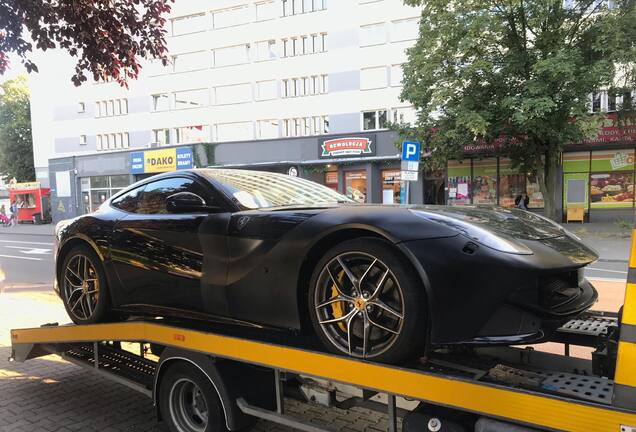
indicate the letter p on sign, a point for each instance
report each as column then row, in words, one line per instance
column 411, row 151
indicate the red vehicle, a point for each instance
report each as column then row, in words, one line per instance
column 32, row 202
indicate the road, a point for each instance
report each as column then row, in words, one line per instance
column 26, row 261
column 607, row 269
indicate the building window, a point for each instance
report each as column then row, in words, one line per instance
column 232, row 94
column 241, row 131
column 112, row 141
column 405, row 29
column 297, row 7
column 331, row 180
column 374, row 120
column 373, row 78
column 161, row 102
column 404, row 115
column 230, row 17
column 266, row 90
column 266, row 50
column 304, row 45
column 82, row 139
column 192, row 134
column 81, row 107
column 306, row 126
column 189, row 24
column 304, row 86
column 390, row 186
column 356, row 185
column 161, row 136
column 372, row 34
column 96, row 190
column 596, row 102
column 266, row 11
column 397, row 75
column 233, row 55
column 190, row 61
column 112, row 107
column 191, row 99
column 267, row 129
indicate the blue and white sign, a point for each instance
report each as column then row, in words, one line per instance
column 162, row 160
column 184, row 158
column 411, row 151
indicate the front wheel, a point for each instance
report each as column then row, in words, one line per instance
column 366, row 301
column 83, row 286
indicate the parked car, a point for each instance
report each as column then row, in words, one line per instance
column 268, row 250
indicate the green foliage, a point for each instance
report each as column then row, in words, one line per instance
column 16, row 145
column 515, row 73
column 106, row 37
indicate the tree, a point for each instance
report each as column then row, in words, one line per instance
column 107, row 37
column 16, row 144
column 515, row 74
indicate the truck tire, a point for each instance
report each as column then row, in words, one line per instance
column 189, row 402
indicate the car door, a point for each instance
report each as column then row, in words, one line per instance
column 158, row 255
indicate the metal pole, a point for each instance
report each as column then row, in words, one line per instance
column 280, row 401
column 407, row 192
column 392, row 412
column 96, row 354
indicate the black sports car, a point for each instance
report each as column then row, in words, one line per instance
column 273, row 251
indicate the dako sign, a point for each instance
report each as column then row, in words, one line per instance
column 347, row 147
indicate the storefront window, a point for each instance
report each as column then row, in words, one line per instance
column 96, row 190
column 390, row 187
column 612, row 190
column 534, row 193
column 26, row 200
column 458, row 182
column 331, row 180
column 484, row 183
column 511, row 183
column 356, row 185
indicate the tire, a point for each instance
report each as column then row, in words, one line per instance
column 184, row 412
column 76, row 281
column 391, row 319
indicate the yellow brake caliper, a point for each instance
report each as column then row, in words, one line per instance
column 336, row 308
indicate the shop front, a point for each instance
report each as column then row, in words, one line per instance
column 489, row 181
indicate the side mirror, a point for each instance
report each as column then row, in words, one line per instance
column 187, row 202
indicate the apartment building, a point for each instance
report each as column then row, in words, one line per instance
column 254, row 83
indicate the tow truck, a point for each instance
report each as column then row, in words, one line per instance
column 210, row 378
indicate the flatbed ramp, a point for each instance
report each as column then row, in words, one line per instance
column 443, row 381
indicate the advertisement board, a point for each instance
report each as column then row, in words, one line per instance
column 158, row 161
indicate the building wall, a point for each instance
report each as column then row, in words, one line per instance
column 66, row 120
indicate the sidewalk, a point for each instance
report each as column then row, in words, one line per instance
column 29, row 229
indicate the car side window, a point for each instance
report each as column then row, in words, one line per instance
column 128, row 201
column 153, row 198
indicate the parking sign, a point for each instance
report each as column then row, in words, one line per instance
column 411, row 151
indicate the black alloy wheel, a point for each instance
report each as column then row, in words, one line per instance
column 367, row 303
column 83, row 286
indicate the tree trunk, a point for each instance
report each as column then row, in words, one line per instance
column 547, row 178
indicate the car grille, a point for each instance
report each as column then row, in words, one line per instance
column 556, row 291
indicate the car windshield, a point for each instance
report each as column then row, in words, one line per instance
column 259, row 189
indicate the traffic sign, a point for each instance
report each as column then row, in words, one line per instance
column 411, row 151
column 408, row 175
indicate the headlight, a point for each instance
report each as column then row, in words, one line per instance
column 477, row 234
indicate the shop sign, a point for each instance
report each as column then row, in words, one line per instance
column 157, row 161
column 21, row 186
column 347, row 146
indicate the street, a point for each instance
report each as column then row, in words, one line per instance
column 26, row 260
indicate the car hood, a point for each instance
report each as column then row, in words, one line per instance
column 510, row 223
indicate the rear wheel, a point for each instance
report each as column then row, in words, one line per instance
column 365, row 301
column 189, row 402
column 83, row 286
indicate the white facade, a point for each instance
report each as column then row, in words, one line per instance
column 240, row 70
